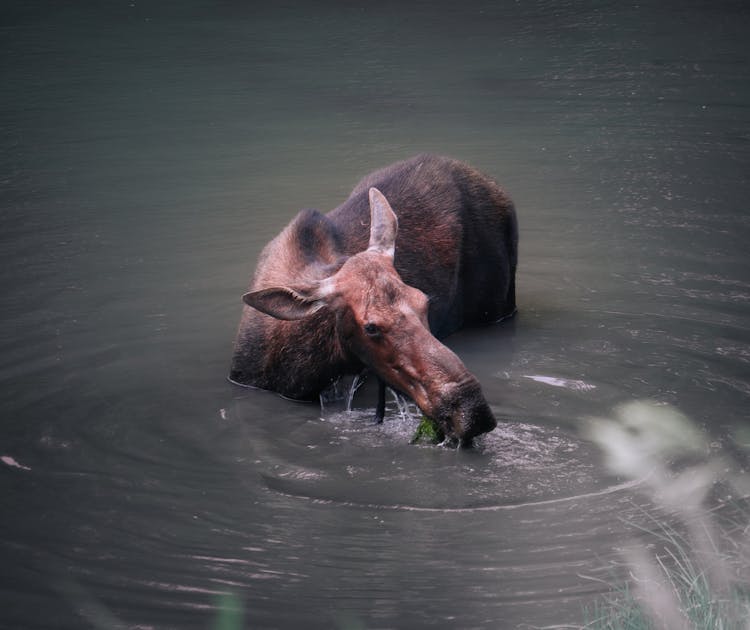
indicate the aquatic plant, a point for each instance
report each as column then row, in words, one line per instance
column 428, row 431
column 695, row 573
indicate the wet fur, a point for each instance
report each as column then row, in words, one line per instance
column 457, row 242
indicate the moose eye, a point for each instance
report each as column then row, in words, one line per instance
column 371, row 330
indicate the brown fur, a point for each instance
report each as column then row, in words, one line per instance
column 456, row 244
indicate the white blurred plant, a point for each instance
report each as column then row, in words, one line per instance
column 698, row 578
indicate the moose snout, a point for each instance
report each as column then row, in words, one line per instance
column 445, row 390
column 463, row 412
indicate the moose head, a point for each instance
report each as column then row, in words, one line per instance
column 383, row 323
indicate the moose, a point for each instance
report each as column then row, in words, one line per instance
column 420, row 249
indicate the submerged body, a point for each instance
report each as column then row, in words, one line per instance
column 419, row 249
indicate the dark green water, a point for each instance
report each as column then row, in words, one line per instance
column 148, row 150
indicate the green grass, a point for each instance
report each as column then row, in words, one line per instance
column 697, row 607
column 617, row 610
column 691, row 568
column 230, row 613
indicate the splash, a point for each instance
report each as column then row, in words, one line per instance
column 339, row 398
column 356, row 383
column 339, row 395
column 407, row 409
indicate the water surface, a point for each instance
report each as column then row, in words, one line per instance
column 149, row 150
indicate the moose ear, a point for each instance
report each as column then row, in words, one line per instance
column 383, row 224
column 283, row 302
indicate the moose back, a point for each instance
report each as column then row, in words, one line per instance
column 420, row 249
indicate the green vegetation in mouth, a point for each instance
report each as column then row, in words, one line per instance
column 428, row 431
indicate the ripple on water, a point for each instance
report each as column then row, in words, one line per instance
column 361, row 463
